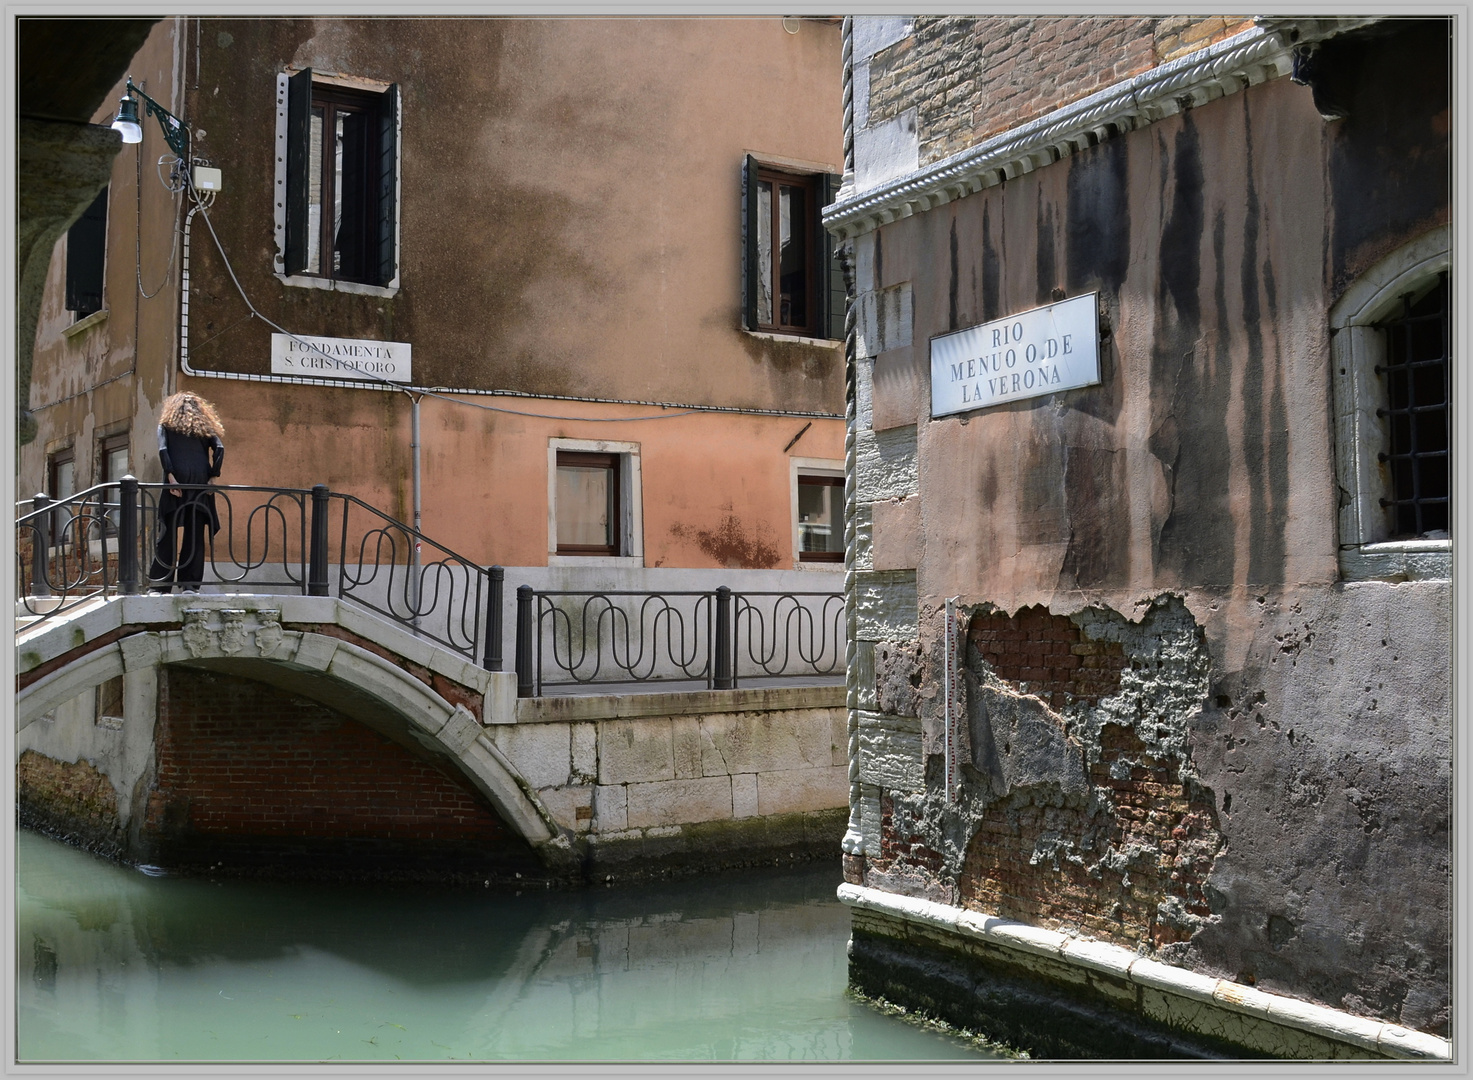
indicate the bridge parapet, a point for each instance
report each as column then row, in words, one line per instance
column 612, row 783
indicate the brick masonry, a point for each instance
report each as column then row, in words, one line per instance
column 1166, row 836
column 1078, row 811
column 972, row 77
column 242, row 765
column 1046, row 654
column 71, row 800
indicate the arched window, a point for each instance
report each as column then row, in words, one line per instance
column 1392, row 351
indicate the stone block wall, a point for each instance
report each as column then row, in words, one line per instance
column 655, row 778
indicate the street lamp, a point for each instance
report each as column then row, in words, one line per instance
column 126, row 124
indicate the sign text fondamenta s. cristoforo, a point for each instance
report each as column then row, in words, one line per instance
column 1025, row 355
column 340, row 358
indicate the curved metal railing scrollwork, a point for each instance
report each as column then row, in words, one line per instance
column 569, row 639
column 105, row 541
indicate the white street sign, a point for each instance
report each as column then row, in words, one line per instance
column 1025, row 355
column 340, row 358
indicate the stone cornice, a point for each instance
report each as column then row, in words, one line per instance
column 1253, row 56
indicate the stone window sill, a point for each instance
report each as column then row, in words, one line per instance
column 823, row 343
column 85, row 324
column 1398, row 560
column 306, row 281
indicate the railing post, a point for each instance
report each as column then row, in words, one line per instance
column 40, row 547
column 492, row 661
column 317, row 552
column 127, row 535
column 723, row 638
column 524, row 641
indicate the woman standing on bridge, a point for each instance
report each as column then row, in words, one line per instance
column 191, row 450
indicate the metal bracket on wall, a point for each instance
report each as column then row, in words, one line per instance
column 952, row 688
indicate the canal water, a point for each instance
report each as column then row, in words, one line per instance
column 116, row 966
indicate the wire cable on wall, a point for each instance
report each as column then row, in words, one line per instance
column 440, row 393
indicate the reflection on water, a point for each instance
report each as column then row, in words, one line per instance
column 116, row 966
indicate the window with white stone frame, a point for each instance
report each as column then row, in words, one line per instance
column 1391, row 347
column 817, row 486
column 594, row 503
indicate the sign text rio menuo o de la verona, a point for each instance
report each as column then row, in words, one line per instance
column 340, row 358
column 1022, row 356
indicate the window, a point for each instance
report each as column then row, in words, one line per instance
column 1391, row 348
column 594, row 496
column 60, row 484
column 112, row 454
column 792, row 281
column 337, row 181
column 108, row 711
column 818, row 512
column 1416, row 377
column 820, row 518
column 86, row 248
column 587, row 503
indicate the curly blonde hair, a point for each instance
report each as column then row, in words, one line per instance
column 191, row 414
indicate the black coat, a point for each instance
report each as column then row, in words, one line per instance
column 191, row 459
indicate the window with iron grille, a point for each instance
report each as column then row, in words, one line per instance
column 1391, row 376
column 1417, row 380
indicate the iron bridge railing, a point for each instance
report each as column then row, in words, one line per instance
column 104, row 541
column 572, row 639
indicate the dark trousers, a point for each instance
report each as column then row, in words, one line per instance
column 193, row 519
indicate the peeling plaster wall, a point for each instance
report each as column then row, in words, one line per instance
column 1264, row 796
column 570, row 224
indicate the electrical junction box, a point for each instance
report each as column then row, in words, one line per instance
column 206, row 179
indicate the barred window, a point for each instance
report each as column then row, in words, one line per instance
column 1391, row 353
column 1417, row 380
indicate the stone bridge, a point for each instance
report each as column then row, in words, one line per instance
column 304, row 736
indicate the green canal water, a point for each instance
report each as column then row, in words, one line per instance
column 116, row 966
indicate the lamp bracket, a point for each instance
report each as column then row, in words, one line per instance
column 175, row 133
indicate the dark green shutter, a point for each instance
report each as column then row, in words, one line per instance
column 86, row 247
column 831, row 280
column 298, row 156
column 387, row 171
column 749, row 243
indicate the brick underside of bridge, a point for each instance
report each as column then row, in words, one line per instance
column 249, row 779
column 219, row 766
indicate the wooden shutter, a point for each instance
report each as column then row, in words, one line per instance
column 388, row 265
column 833, row 298
column 86, row 246
column 749, row 243
column 298, row 156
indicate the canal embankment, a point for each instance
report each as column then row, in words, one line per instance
column 299, row 736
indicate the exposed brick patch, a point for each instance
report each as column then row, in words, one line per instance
column 72, row 800
column 1047, row 655
column 902, row 843
column 970, row 77
column 238, row 759
column 1132, row 874
column 453, row 692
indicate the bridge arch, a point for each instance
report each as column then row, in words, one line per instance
column 313, row 647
